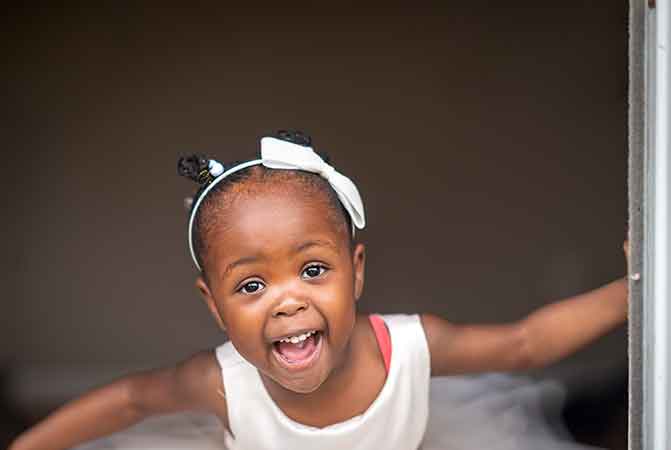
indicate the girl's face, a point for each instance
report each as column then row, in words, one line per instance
column 283, row 281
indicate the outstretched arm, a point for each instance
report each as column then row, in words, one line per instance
column 543, row 337
column 191, row 384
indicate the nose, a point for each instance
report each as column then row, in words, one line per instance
column 289, row 306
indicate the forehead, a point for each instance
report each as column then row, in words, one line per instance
column 273, row 220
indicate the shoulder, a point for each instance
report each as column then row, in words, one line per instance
column 200, row 368
column 191, row 384
column 435, row 327
column 438, row 330
column 439, row 336
column 202, row 380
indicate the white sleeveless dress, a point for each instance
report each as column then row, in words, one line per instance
column 396, row 419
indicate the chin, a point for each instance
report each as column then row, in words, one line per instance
column 303, row 386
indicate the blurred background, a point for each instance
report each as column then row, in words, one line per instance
column 488, row 140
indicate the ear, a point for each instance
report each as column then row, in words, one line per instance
column 205, row 292
column 359, row 264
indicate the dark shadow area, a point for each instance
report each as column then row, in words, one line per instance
column 12, row 422
column 597, row 415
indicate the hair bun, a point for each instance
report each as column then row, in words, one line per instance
column 295, row 137
column 194, row 167
column 300, row 138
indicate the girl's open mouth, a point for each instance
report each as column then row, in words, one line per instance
column 298, row 352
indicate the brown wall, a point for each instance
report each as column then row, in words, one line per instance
column 489, row 144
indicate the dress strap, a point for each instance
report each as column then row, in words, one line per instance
column 382, row 337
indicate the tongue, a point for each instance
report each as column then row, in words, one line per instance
column 299, row 351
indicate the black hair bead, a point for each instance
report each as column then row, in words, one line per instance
column 195, row 167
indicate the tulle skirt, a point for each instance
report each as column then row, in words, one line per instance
column 493, row 412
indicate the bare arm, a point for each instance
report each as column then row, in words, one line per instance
column 191, row 385
column 543, row 337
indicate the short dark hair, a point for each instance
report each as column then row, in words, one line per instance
column 244, row 181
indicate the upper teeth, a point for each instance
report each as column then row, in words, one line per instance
column 299, row 338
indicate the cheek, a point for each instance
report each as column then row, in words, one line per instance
column 339, row 308
column 244, row 326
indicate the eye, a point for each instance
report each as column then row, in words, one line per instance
column 313, row 271
column 251, row 287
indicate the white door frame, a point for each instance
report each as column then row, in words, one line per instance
column 656, row 245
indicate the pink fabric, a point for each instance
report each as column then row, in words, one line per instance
column 383, row 339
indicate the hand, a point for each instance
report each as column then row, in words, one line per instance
column 625, row 247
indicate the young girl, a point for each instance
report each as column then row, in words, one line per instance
column 281, row 272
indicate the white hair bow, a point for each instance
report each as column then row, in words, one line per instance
column 280, row 154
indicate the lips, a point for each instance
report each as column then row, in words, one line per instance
column 298, row 351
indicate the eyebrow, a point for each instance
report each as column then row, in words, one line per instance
column 316, row 243
column 240, row 262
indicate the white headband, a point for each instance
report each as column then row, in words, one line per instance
column 280, row 154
